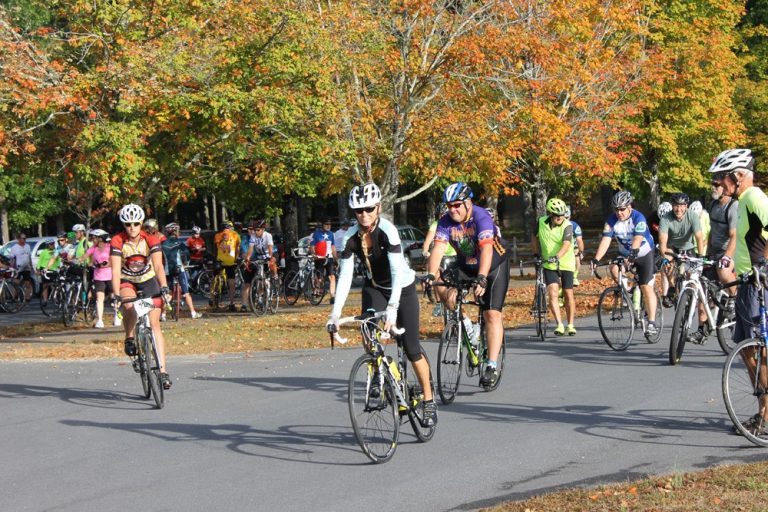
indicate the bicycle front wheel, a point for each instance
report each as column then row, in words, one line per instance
column 373, row 410
column 415, row 396
column 681, row 325
column 141, row 362
column 69, row 312
column 316, row 287
column 258, row 296
column 741, row 395
column 540, row 308
column 273, row 294
column 204, row 281
column 153, row 369
column 449, row 363
column 292, row 287
column 615, row 318
column 12, row 297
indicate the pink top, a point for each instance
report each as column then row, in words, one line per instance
column 103, row 270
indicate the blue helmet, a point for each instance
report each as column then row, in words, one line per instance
column 458, row 191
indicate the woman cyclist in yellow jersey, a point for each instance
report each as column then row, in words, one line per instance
column 137, row 265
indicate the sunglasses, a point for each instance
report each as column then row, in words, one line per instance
column 369, row 209
column 620, row 209
column 131, row 224
column 455, row 206
column 62, row 239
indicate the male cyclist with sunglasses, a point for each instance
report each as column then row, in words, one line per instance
column 137, row 265
column 481, row 255
column 630, row 229
column 389, row 284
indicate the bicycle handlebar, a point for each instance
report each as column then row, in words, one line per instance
column 364, row 318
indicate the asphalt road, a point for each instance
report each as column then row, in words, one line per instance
column 272, row 432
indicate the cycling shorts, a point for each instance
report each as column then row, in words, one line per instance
column 645, row 267
column 150, row 288
column 553, row 276
column 498, row 283
column 407, row 314
column 328, row 264
column 103, row 286
column 183, row 278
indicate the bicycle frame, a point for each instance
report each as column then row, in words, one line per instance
column 692, row 280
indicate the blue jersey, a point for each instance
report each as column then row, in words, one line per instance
column 625, row 231
column 470, row 237
column 576, row 230
column 322, row 241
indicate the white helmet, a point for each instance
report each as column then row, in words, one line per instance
column 363, row 196
column 567, row 212
column 733, row 159
column 78, row 227
column 664, row 208
column 696, row 207
column 131, row 213
column 100, row 233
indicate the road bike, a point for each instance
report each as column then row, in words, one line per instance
column 745, row 374
column 12, row 297
column 80, row 298
column 539, row 306
column 307, row 281
column 698, row 292
column 56, row 286
column 145, row 362
column 382, row 391
column 621, row 309
column 456, row 349
column 264, row 294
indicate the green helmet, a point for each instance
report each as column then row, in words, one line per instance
column 557, row 206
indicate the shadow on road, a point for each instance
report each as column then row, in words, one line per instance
column 337, row 387
column 88, row 397
column 294, row 443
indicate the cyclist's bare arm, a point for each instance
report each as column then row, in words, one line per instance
column 157, row 264
column 663, row 238
column 701, row 243
column 433, row 264
column 116, row 262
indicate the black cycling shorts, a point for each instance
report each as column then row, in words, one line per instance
column 498, row 284
column 554, row 277
column 645, row 268
column 407, row 314
column 103, row 286
column 328, row 264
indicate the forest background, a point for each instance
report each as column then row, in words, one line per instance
column 263, row 105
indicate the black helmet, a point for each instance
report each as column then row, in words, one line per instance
column 680, row 198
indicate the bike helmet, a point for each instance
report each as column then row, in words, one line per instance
column 664, row 208
column 131, row 213
column 151, row 224
column 258, row 223
column 621, row 199
column 228, row 224
column 171, row 227
column 61, row 235
column 364, row 196
column 50, row 242
column 567, row 212
column 680, row 198
column 556, row 206
column 78, row 227
column 196, row 230
column 696, row 207
column 458, row 191
column 732, row 160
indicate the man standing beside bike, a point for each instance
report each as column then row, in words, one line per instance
column 137, row 265
column 633, row 236
column 389, row 284
column 734, row 169
column 554, row 241
column 323, row 247
column 480, row 255
column 176, row 258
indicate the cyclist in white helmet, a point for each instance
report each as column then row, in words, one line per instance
column 137, row 265
column 388, row 285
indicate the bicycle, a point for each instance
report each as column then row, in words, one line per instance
column 145, row 362
column 745, row 373
column 12, row 298
column 80, row 298
column 176, row 301
column 265, row 291
column 454, row 341
column 57, row 287
column 621, row 310
column 382, row 391
column 539, row 306
column 307, row 281
column 698, row 289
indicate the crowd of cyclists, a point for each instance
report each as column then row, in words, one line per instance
column 464, row 240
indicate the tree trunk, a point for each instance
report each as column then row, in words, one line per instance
column 4, row 229
column 342, row 200
column 214, row 211
column 654, row 192
column 206, row 213
column 540, row 192
column 402, row 212
column 529, row 216
column 290, row 222
column 302, row 221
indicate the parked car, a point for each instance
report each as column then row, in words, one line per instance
column 36, row 244
column 412, row 241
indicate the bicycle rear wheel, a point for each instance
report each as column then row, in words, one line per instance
column 204, row 282
column 317, row 287
column 415, row 396
column 373, row 409
column 726, row 321
column 49, row 307
column 258, row 296
column 273, row 294
column 681, row 325
column 292, row 287
column 540, row 308
column 449, row 360
column 12, row 297
column 153, row 369
column 615, row 318
column 739, row 391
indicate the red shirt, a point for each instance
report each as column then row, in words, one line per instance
column 196, row 247
column 136, row 256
